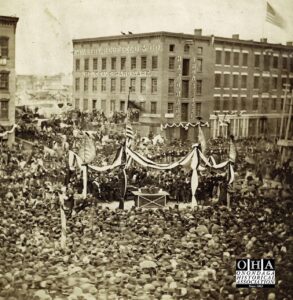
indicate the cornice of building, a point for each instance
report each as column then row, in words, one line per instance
column 8, row 20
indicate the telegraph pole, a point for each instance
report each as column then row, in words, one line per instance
column 286, row 85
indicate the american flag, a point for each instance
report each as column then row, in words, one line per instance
column 129, row 135
column 274, row 17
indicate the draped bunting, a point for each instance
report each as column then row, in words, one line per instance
column 3, row 134
column 184, row 125
column 191, row 161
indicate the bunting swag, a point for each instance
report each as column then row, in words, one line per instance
column 3, row 134
column 184, row 125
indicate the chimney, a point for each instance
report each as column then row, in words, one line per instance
column 235, row 36
column 289, row 43
column 263, row 40
column 198, row 32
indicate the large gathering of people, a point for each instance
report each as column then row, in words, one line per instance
column 176, row 252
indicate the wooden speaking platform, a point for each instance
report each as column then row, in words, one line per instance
column 150, row 200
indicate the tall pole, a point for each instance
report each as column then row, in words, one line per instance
column 288, row 126
column 283, row 109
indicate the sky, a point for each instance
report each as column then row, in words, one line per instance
column 46, row 27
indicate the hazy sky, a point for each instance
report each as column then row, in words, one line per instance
column 46, row 27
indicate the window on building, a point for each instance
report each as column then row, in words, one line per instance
column 198, row 109
column 186, row 48
column 226, row 103
column 85, row 104
column 275, row 83
column 185, row 67
column 265, row 105
column 291, row 64
column 243, row 103
column 199, row 50
column 103, row 105
column 235, row 83
column 77, row 64
column 132, row 84
column 95, row 64
column 171, row 63
column 112, row 105
column 275, row 62
column 4, row 109
column 198, row 87
column 123, row 63
column 256, row 60
column 94, row 104
column 77, row 104
column 143, row 62
column 170, row 108
column 218, row 57
column 266, row 62
column 86, row 84
column 236, row 58
column 217, row 103
column 226, row 80
column 255, row 104
column 171, row 48
column 86, row 64
column 199, row 65
column 227, row 57
column 95, row 84
column 244, row 59
column 284, row 63
column 113, row 63
column 113, row 84
column 153, row 107
column 291, row 83
column 284, row 81
column 122, row 85
column 218, row 80
column 122, row 105
column 4, row 46
column 133, row 63
column 256, row 82
column 154, row 85
column 104, row 63
column 4, row 80
column 185, row 88
column 77, row 83
column 143, row 85
column 103, row 85
column 266, row 84
column 234, row 103
column 243, row 81
column 154, row 62
column 171, row 86
column 274, row 104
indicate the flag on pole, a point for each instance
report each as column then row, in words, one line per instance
column 202, row 140
column 274, row 17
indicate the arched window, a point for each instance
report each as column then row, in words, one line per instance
column 186, row 48
column 4, row 46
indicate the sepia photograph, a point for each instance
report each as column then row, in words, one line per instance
column 146, row 150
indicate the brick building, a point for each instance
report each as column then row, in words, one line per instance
column 179, row 77
column 7, row 73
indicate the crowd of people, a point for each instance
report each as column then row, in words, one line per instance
column 171, row 253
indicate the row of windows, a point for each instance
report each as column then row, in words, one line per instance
column 263, row 105
column 113, row 84
column 123, row 61
column 186, row 49
column 270, row 83
column 113, row 105
column 224, row 80
column 264, row 61
column 4, row 109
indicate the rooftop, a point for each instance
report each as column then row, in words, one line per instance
column 6, row 19
column 157, row 34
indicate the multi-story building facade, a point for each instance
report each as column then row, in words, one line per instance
column 7, row 73
column 180, row 77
